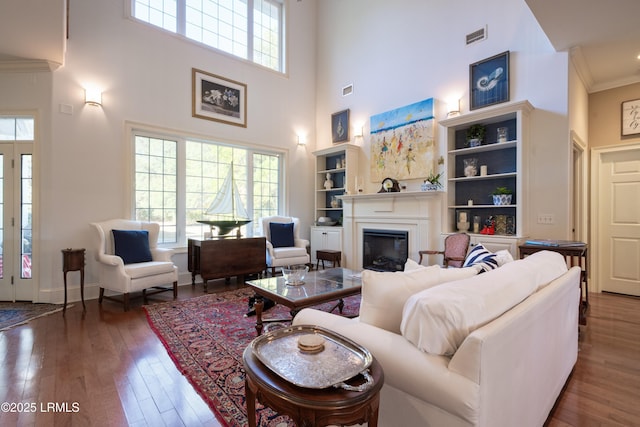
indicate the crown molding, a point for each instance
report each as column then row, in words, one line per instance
column 28, row 66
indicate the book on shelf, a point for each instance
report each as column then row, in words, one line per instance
column 554, row 243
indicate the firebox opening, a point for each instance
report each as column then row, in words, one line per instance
column 384, row 250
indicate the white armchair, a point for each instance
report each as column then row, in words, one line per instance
column 139, row 265
column 285, row 248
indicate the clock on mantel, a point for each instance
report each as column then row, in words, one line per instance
column 389, row 185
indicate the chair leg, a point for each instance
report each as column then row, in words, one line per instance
column 144, row 296
column 101, row 296
column 175, row 290
column 125, row 301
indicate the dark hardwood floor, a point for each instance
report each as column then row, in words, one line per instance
column 107, row 368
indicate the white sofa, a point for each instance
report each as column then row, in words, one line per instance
column 507, row 371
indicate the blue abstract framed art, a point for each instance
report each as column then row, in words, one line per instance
column 489, row 81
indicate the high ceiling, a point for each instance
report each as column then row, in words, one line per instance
column 603, row 38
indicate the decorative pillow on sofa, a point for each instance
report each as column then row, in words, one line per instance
column 437, row 320
column 281, row 234
column 503, row 257
column 479, row 255
column 412, row 265
column 385, row 293
column 132, row 245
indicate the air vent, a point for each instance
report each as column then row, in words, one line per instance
column 477, row 36
column 347, row 90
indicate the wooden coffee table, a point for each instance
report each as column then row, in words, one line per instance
column 319, row 287
column 306, row 406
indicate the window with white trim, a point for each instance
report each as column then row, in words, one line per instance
column 177, row 179
column 249, row 29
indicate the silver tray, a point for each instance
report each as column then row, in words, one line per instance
column 341, row 359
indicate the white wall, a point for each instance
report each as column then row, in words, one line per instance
column 146, row 78
column 34, row 30
column 397, row 53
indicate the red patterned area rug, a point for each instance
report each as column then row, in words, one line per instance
column 205, row 336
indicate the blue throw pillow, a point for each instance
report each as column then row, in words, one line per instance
column 132, row 245
column 482, row 256
column 281, row 234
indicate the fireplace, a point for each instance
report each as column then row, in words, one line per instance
column 384, row 250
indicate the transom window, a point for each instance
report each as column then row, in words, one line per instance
column 178, row 179
column 249, row 29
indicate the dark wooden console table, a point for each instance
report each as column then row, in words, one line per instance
column 576, row 255
column 226, row 257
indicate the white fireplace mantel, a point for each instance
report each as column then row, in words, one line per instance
column 417, row 212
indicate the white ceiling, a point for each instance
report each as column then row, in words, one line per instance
column 603, row 37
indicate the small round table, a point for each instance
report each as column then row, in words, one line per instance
column 310, row 407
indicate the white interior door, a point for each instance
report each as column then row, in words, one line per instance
column 618, row 221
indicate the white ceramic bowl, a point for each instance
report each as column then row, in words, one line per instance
column 294, row 274
column 324, row 219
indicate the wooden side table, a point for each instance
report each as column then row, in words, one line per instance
column 328, row 255
column 576, row 255
column 73, row 260
column 310, row 407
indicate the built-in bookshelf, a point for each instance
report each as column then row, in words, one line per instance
column 340, row 163
column 474, row 172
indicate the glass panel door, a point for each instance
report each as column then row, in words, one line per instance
column 16, row 209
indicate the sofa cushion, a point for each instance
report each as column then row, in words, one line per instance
column 437, row 320
column 385, row 293
column 132, row 245
column 281, row 234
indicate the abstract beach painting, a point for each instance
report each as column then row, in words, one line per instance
column 402, row 142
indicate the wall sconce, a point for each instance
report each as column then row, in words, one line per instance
column 358, row 131
column 302, row 140
column 453, row 108
column 93, row 96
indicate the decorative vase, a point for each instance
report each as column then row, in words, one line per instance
column 501, row 224
column 474, row 142
column 501, row 199
column 427, row 186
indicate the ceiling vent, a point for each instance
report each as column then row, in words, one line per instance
column 477, row 36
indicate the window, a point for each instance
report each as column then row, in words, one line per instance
column 17, row 128
column 177, row 179
column 249, row 29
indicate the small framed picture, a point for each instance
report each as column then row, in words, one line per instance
column 340, row 126
column 631, row 117
column 219, row 99
column 489, row 81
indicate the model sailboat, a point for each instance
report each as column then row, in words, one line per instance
column 227, row 202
